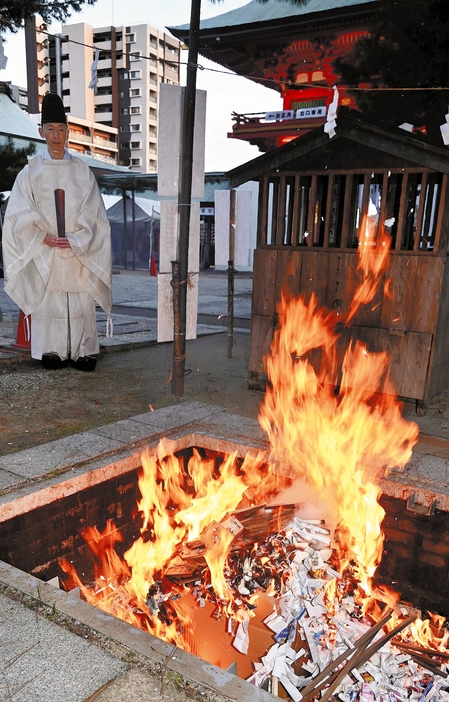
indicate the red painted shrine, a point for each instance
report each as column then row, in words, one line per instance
column 291, row 49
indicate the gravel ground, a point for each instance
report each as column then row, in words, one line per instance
column 37, row 406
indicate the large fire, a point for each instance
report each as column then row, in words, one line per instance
column 336, row 429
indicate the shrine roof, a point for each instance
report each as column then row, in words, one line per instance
column 256, row 12
column 352, row 127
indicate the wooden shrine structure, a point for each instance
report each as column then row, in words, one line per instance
column 313, row 194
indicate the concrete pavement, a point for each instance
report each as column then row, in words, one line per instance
column 138, row 290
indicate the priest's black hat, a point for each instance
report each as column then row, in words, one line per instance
column 53, row 109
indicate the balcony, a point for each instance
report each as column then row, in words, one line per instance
column 268, row 130
column 104, row 63
column 103, row 45
column 103, row 99
column 79, row 138
column 105, row 143
column 102, row 157
column 103, row 116
column 105, row 82
column 43, row 71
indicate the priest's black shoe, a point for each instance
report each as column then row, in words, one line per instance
column 84, row 363
column 51, row 361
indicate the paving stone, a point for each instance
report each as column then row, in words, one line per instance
column 41, row 662
column 57, row 455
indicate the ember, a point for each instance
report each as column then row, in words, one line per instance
column 231, row 536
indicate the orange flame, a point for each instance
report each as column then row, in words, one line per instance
column 374, row 250
column 338, row 442
column 340, row 434
column 177, row 503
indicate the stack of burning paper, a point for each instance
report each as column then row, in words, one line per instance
column 324, row 646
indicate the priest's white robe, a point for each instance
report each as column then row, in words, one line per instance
column 58, row 287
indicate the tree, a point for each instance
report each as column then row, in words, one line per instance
column 407, row 48
column 12, row 160
column 13, row 13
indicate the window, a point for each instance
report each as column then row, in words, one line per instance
column 123, row 110
column 152, row 61
column 334, row 210
column 124, row 128
column 135, row 144
column 135, row 127
column 153, row 113
column 135, row 110
column 135, row 162
column 130, row 38
column 153, row 96
column 161, row 44
column 171, row 49
column 135, row 56
column 152, row 130
column 134, row 92
column 124, row 76
column 153, row 41
column 134, row 74
column 153, row 78
column 125, row 144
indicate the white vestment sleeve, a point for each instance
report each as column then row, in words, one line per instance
column 27, row 261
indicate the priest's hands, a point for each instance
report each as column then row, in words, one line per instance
column 57, row 242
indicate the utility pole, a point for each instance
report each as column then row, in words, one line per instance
column 180, row 267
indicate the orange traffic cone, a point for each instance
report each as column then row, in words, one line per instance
column 23, row 338
column 153, row 270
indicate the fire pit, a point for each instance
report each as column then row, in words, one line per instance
column 47, row 522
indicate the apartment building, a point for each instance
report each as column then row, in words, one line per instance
column 133, row 61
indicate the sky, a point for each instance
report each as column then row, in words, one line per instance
column 226, row 93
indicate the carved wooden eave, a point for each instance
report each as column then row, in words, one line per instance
column 246, row 47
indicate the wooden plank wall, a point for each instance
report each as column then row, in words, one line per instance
column 402, row 322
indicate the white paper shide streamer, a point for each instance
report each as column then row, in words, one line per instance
column 331, row 121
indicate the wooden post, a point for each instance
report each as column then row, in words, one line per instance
column 125, row 243
column 177, row 345
column 231, row 273
column 185, row 202
column 133, row 225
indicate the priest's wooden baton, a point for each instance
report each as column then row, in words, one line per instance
column 60, row 211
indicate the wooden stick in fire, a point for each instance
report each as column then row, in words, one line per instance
column 421, row 657
column 328, row 673
column 60, row 211
column 411, row 648
column 364, row 655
